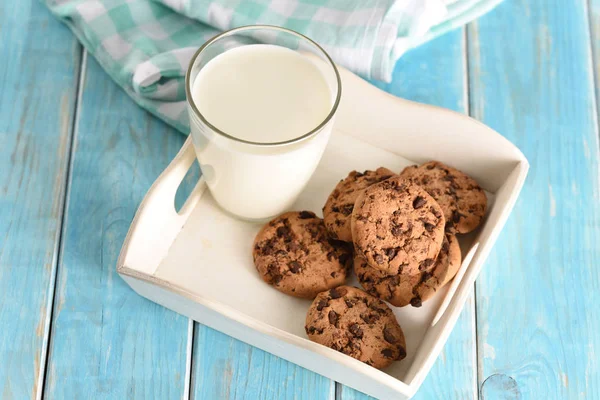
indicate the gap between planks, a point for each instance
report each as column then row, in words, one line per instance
column 63, row 203
column 478, row 372
column 189, row 357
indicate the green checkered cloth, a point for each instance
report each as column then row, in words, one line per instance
column 145, row 45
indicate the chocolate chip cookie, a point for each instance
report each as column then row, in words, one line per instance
column 464, row 203
column 294, row 254
column 357, row 324
column 401, row 290
column 340, row 202
column 397, row 227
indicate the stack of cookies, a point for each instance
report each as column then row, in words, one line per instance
column 398, row 231
column 403, row 227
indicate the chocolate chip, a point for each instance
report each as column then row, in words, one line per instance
column 397, row 230
column 388, row 336
column 425, row 276
column 336, row 293
column 391, row 253
column 353, row 346
column 445, row 246
column 448, row 178
column 369, row 318
column 430, row 166
column 311, row 330
column 276, row 279
column 374, row 307
column 273, row 271
column 306, row 215
column 295, row 267
column 359, row 174
column 419, row 202
column 356, row 331
column 283, row 231
column 333, row 317
column 347, row 209
column 402, row 352
column 281, row 253
column 322, row 304
column 428, row 262
column 315, row 232
column 268, row 247
column 401, row 267
column 394, row 184
column 456, row 216
column 349, row 303
column 428, row 227
column 387, row 353
column 416, row 302
column 335, row 209
column 378, row 258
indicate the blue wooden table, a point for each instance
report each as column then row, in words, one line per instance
column 77, row 156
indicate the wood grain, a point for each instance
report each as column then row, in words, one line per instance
column 537, row 299
column 39, row 65
column 107, row 342
column 435, row 74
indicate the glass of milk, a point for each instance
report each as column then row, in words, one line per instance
column 261, row 102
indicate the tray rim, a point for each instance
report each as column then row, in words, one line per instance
column 261, row 327
column 407, row 389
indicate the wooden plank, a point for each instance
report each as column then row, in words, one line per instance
column 38, row 85
column 537, row 299
column 107, row 341
column 435, row 74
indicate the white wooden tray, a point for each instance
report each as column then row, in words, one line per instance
column 198, row 262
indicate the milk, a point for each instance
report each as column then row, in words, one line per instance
column 263, row 94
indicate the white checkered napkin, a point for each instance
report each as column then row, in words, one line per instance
column 146, row 45
column 359, row 35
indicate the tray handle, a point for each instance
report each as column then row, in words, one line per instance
column 157, row 223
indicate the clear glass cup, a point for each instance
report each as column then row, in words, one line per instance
column 252, row 180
